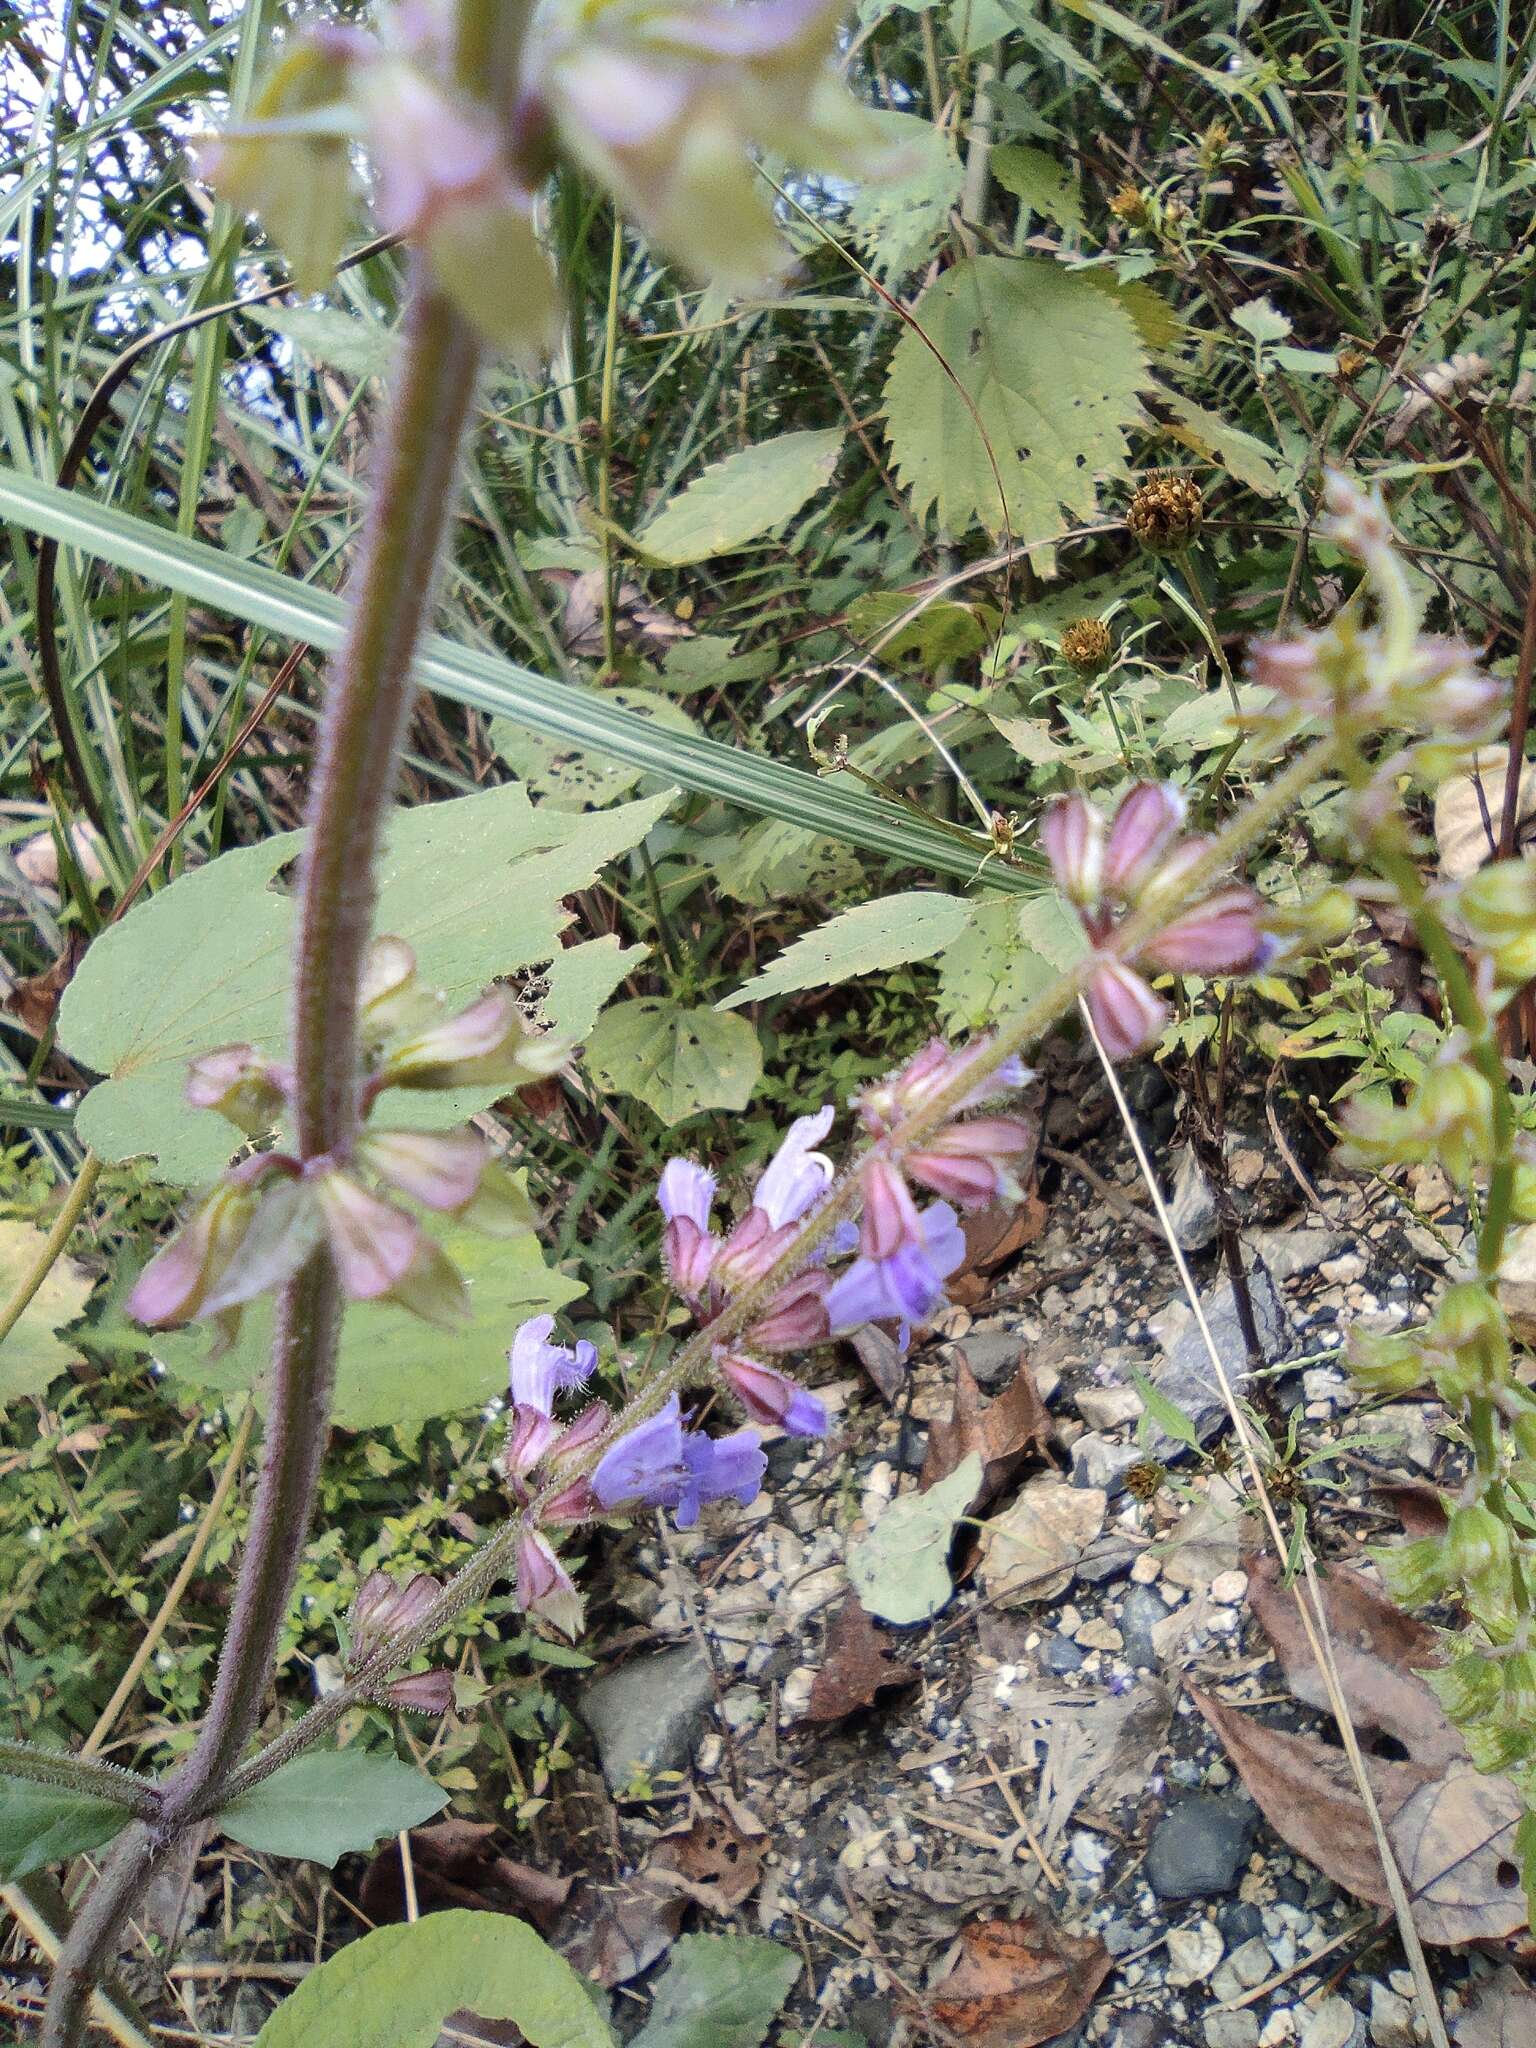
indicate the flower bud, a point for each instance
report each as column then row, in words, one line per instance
column 240, row 1084
column 544, row 1586
column 389, row 995
column 487, row 1044
column 1498, row 904
column 1150, row 817
column 422, row 1692
column 1072, row 834
column 1222, row 935
column 439, row 1169
column 1393, row 1364
column 1470, row 1324
column 771, row 1398
column 1126, row 1014
column 796, row 1318
column 385, row 1608
column 890, row 1219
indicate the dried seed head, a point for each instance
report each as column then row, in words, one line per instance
column 1352, row 361
column 1144, row 1481
column 1165, row 512
column 1130, row 205
column 1086, row 646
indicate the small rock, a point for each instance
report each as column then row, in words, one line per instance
column 1099, row 1634
column 1240, row 1923
column 1279, row 2028
column 645, row 1713
column 1109, row 1556
column 1198, row 1848
column 1059, row 1654
column 992, row 1355
column 1137, row 2029
column 1142, row 1611
column 1333, row 2025
column 1228, row 1588
column 1147, row 1569
column 1193, row 1952
column 1090, row 1854
column 1191, row 1209
column 1392, row 2024
column 1187, row 1378
column 1096, row 1462
column 1341, row 1271
column 1122, row 1935
column 1108, row 1407
column 1252, row 1963
column 1231, row 2030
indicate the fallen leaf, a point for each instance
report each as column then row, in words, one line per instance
column 715, row 1858
column 457, row 1863
column 1453, row 1833
column 1101, row 1742
column 1002, row 1433
column 613, row 1933
column 1019, row 1982
column 1502, row 2015
column 992, row 1237
column 1468, row 809
column 1031, row 1551
column 856, row 1669
column 1377, row 1649
column 882, row 1358
column 34, row 999
column 900, row 1569
column 1419, row 1506
column 1208, row 1540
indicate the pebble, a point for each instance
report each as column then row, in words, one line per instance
column 1187, row 1378
column 1108, row 1407
column 1240, row 1923
column 1147, row 1569
column 1098, row 1462
column 1228, row 1588
column 1199, row 1847
column 1059, row 1655
column 1194, row 1952
column 644, row 1714
column 1100, row 1634
column 1392, row 2020
column 1143, row 1609
column 1279, row 2028
column 1122, row 1935
column 1231, row 2030
column 1333, row 2025
column 1245, row 1969
column 1341, row 1271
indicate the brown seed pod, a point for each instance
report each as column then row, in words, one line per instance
column 1144, row 1481
column 1165, row 512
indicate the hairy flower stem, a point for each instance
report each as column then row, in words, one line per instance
column 364, row 731
column 694, row 1361
column 93, row 1779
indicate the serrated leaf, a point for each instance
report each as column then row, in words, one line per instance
column 330, row 1802
column 897, row 221
column 900, row 1570
column 677, row 1061
column 42, row 1824
column 33, row 1354
column 1044, row 184
column 573, row 778
column 475, row 885
column 719, row 1991
column 357, row 348
column 1008, row 954
column 741, row 498
column 1262, row 319
column 886, row 933
column 395, row 1987
column 1209, row 721
column 1052, row 363
column 773, row 859
column 580, row 980
column 942, row 632
column 392, row 1368
column 1241, row 454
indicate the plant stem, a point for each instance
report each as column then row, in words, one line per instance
column 53, row 1247
column 364, row 731
column 95, row 1780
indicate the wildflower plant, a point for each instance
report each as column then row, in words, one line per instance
column 465, row 107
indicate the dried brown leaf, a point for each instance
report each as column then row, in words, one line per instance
column 457, row 1863
column 1419, row 1506
column 1502, row 2016
column 857, row 1667
column 1378, row 1650
column 34, row 999
column 992, row 1237
column 1452, row 1833
column 1019, row 1982
column 1003, row 1432
column 715, row 1858
column 1031, row 1551
column 880, row 1357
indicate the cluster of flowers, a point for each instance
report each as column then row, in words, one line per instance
column 1132, row 863
column 663, row 105
column 272, row 1211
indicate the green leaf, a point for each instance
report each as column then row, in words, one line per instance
column 1166, row 1414
column 1241, row 455
column 1007, row 955
column 572, row 778
column 1045, row 185
column 942, row 632
column 329, row 1802
column 392, row 1369
column 719, row 1991
column 1052, row 364
column 41, row 1824
column 33, row 1355
column 1262, row 320
column 395, row 1987
column 887, row 933
column 897, row 221
column 582, row 978
column 900, row 1570
column 357, row 348
column 1208, row 721
column 741, row 498
column 475, row 885
column 486, row 681
column 676, row 1061
column 773, row 860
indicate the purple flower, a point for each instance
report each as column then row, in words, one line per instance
column 687, row 1190
column 541, row 1370
column 908, row 1286
column 646, row 1464
column 773, row 1398
column 1150, row 817
column 719, row 1468
column 796, row 1177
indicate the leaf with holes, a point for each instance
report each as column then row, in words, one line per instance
column 573, row 778
column 886, row 933
column 476, row 886
column 1038, row 371
column 741, row 498
column 676, row 1061
column 897, row 221
column 1043, row 183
